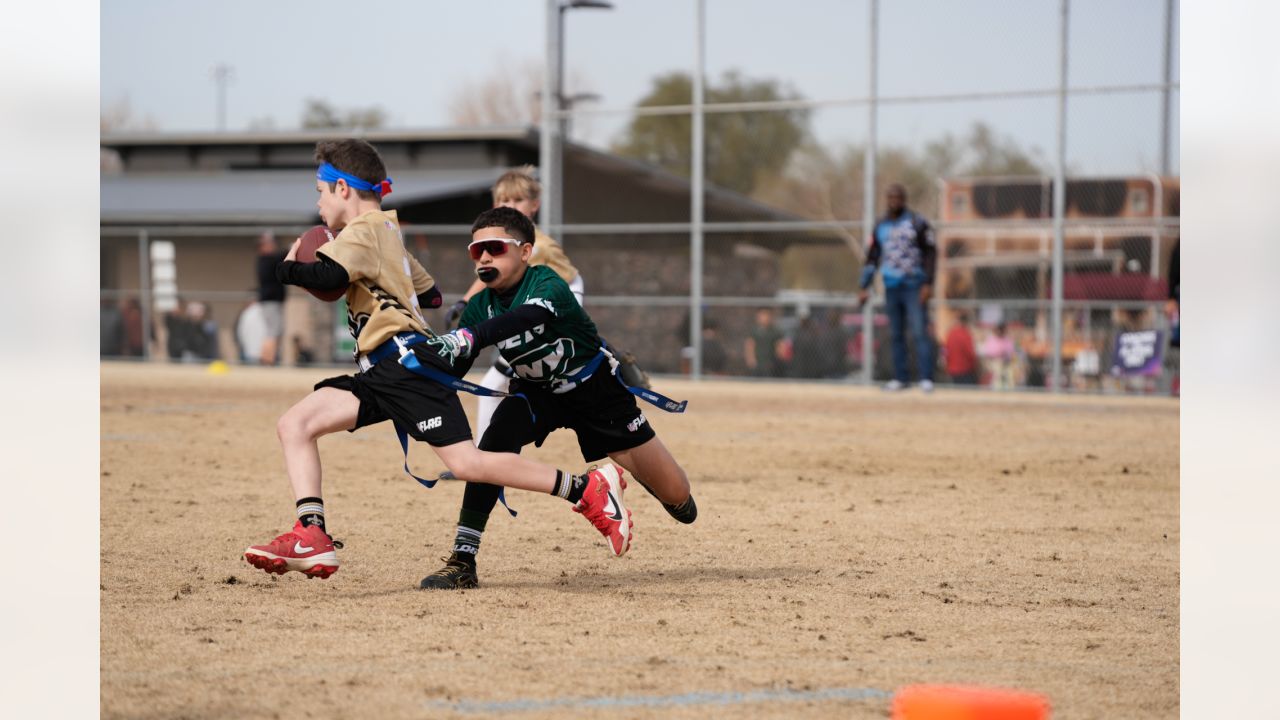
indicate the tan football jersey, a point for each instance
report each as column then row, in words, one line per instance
column 385, row 279
column 546, row 251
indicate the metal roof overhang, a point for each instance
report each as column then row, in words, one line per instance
column 264, row 196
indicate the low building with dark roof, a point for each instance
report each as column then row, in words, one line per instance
column 212, row 194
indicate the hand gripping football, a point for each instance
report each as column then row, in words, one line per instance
column 312, row 239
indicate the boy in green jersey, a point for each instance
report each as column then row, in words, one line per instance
column 566, row 377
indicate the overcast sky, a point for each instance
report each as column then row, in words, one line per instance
column 412, row 59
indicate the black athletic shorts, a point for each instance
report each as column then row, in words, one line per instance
column 600, row 411
column 427, row 410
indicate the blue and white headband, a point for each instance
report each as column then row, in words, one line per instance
column 328, row 173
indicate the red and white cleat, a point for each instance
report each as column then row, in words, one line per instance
column 304, row 549
column 601, row 503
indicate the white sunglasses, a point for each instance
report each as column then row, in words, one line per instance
column 493, row 246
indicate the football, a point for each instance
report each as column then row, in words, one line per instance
column 311, row 240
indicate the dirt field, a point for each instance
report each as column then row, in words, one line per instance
column 849, row 543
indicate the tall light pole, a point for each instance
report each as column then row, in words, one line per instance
column 570, row 102
column 869, row 183
column 546, row 135
column 1059, row 205
column 553, row 184
column 697, row 186
column 222, row 75
column 1164, row 96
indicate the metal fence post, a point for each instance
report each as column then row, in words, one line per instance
column 547, row 171
column 1059, row 211
column 869, row 187
column 1164, row 95
column 696, row 210
column 144, row 285
column 868, row 343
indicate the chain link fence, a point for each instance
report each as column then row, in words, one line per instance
column 993, row 312
column 1039, row 138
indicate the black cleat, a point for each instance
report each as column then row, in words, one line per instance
column 457, row 574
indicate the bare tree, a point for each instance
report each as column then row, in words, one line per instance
column 114, row 117
column 118, row 117
column 262, row 123
column 513, row 96
column 828, row 185
column 506, row 98
column 320, row 114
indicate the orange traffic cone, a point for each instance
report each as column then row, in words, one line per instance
column 967, row 702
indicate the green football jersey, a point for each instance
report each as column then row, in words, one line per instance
column 550, row 352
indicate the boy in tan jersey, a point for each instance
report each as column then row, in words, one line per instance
column 385, row 288
column 370, row 248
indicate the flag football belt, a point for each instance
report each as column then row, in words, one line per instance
column 586, row 371
column 395, row 346
column 399, row 345
column 402, row 343
column 649, row 396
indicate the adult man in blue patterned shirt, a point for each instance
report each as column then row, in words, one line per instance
column 903, row 247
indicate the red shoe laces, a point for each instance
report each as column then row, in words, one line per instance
column 595, row 513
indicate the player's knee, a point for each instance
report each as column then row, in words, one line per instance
column 292, row 427
column 679, row 495
column 465, row 467
column 670, row 486
column 286, row 428
column 680, row 484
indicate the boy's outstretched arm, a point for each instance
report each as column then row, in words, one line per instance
column 509, row 324
column 463, row 343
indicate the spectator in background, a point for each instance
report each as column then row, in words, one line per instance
column 202, row 341
column 760, row 349
column 247, row 331
column 715, row 360
column 998, row 350
column 131, row 315
column 270, row 296
column 808, row 359
column 177, row 329
column 961, row 358
column 837, row 344
column 303, row 354
column 1172, row 306
column 903, row 248
column 111, row 329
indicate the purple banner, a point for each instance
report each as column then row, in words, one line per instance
column 1138, row 353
